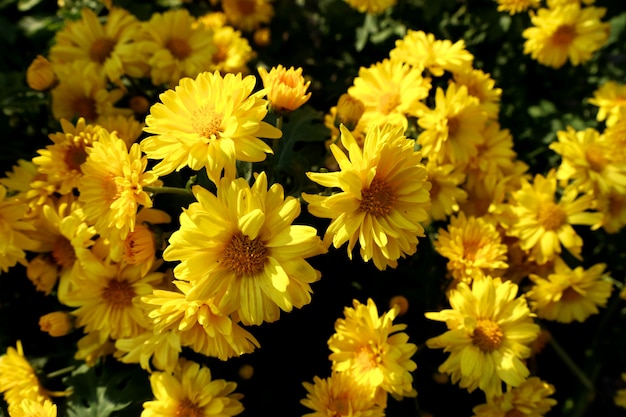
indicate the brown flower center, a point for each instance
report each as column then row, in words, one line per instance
column 180, row 48
column 118, row 294
column 244, row 256
column 487, row 335
column 63, row 252
column 453, row 126
column 388, row 102
column 246, row 7
column 101, row 49
column 188, row 409
column 75, row 157
column 570, row 294
column 339, row 406
column 564, row 35
column 551, row 216
column 85, row 107
column 378, row 200
column 207, row 123
column 596, row 158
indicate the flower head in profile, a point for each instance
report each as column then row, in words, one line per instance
column 516, row 6
column 239, row 249
column 566, row 32
column 40, row 74
column 473, row 247
column 30, row 408
column 56, row 324
column 285, row 88
column 338, row 395
column 371, row 6
column 530, row 399
column 191, row 391
column 18, row 380
column 544, row 224
column 610, row 99
column 210, row 121
column 489, row 333
column 248, row 15
column 569, row 294
column 422, row 51
column 390, row 91
column 13, row 225
column 375, row 352
column 383, row 198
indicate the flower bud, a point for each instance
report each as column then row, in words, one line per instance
column 40, row 75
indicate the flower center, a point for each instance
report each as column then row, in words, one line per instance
column 388, row 102
column 118, row 294
column 596, row 158
column 515, row 413
column 220, row 55
column 471, row 248
column 453, row 126
column 570, row 294
column 75, row 157
column 188, row 409
column 207, row 123
column 552, row 216
column 339, row 406
column 101, row 49
column 85, row 107
column 63, row 252
column 246, row 7
column 178, row 47
column 487, row 335
column 367, row 358
column 564, row 35
column 244, row 256
column 378, row 200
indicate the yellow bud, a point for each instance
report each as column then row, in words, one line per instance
column 349, row 111
column 57, row 323
column 40, row 76
column 262, row 37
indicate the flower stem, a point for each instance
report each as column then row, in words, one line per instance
column 569, row 362
column 168, row 190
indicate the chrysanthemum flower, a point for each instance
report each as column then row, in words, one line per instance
column 570, row 294
column 18, row 380
column 375, row 352
column 40, row 74
column 109, row 45
column 473, row 247
column 530, row 399
column 569, row 31
column 620, row 395
column 445, row 193
column 452, row 130
column 233, row 51
column 111, row 189
column 494, row 156
column 488, row 337
column 338, row 395
column 383, row 198
column 210, row 122
column 423, row 51
column 190, row 391
column 589, row 161
column 611, row 101
column 61, row 162
column 127, row 128
column 56, row 324
column 248, row 15
column 543, row 224
column 82, row 92
column 109, row 305
column 613, row 209
column 371, row 6
column 482, row 86
column 13, row 224
column 285, row 88
column 150, row 350
column 200, row 324
column 240, row 249
column 390, row 91
column 516, row 6
column 30, row 408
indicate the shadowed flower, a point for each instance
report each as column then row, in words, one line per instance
column 371, row 6
column 248, row 15
column 529, row 399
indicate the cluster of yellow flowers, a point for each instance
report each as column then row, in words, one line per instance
column 414, row 140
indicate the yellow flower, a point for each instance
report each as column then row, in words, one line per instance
column 390, row 91
column 529, row 399
column 240, row 249
column 81, row 92
column 452, row 130
column 18, row 380
column 141, row 245
column 348, row 112
column 56, row 324
column 544, row 224
column 374, row 351
column 108, row 45
column 285, row 88
column 111, row 189
column 161, row 350
column 61, row 162
column 190, row 391
column 423, row 51
column 92, row 347
column 30, row 408
column 620, row 395
column 209, row 122
column 248, row 15
column 338, row 395
column 570, row 294
column 488, row 337
column 516, row 6
column 173, row 46
column 613, row 209
column 371, row 6
column 127, row 128
column 610, row 99
column 40, row 74
column 14, row 241
column 200, row 325
column 383, row 197
column 481, row 86
column 233, row 51
column 473, row 247
column 590, row 161
column 565, row 32
column 445, row 193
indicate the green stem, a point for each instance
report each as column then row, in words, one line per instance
column 279, row 126
column 60, row 372
column 168, row 190
column 569, row 362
